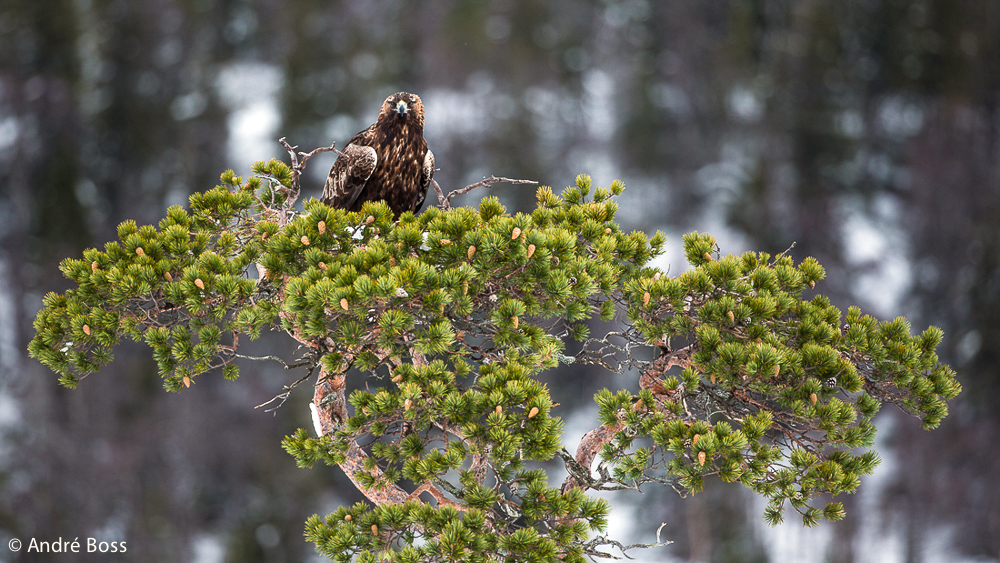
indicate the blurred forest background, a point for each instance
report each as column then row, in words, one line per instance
column 866, row 132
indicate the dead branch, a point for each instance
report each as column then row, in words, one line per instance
column 286, row 391
column 586, row 452
column 445, row 201
column 442, row 201
column 590, row 548
column 299, row 165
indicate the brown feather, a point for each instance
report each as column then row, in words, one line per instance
column 387, row 161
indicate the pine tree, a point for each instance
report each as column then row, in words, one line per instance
column 451, row 315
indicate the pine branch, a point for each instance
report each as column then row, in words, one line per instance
column 452, row 317
column 330, row 406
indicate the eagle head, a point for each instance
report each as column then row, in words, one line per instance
column 403, row 106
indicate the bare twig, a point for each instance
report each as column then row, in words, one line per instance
column 485, row 182
column 307, row 155
column 284, row 364
column 787, row 250
column 442, row 201
column 286, row 391
column 590, row 548
column 299, row 165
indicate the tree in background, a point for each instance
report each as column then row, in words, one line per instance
column 449, row 317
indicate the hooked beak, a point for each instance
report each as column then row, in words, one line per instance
column 402, row 108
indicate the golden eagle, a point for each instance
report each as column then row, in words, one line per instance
column 389, row 161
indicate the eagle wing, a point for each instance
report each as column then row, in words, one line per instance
column 349, row 174
column 426, row 175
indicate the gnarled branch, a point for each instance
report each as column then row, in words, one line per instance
column 445, row 201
